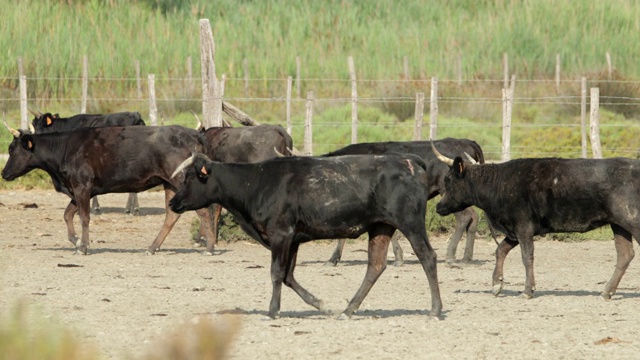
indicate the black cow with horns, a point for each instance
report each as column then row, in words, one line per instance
column 527, row 197
column 288, row 201
column 247, row 144
column 87, row 162
column 46, row 123
column 466, row 219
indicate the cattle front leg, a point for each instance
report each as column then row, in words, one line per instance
column 624, row 253
column 291, row 282
column 379, row 238
column 132, row 207
column 526, row 248
column 205, row 227
column 462, row 220
column 69, row 213
column 471, row 236
column 95, row 205
column 501, row 253
column 170, row 219
column 397, row 250
column 84, row 212
column 337, row 253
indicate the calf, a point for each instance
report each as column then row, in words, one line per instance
column 285, row 202
column 528, row 197
column 466, row 220
column 90, row 161
column 248, row 144
column 45, row 123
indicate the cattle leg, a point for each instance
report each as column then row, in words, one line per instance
column 217, row 212
column 462, row 221
column 337, row 253
column 428, row 260
column 280, row 249
column 501, row 253
column 471, row 236
column 95, row 205
column 170, row 219
column 526, row 248
column 69, row 213
column 291, row 282
column 84, row 211
column 379, row 237
column 132, row 207
column 205, row 228
column 397, row 250
column 625, row 253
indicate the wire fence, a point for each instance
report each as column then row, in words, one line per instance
column 546, row 113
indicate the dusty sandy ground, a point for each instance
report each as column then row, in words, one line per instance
column 124, row 301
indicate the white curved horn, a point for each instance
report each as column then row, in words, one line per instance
column 278, row 153
column 471, row 160
column 32, row 129
column 199, row 126
column 441, row 157
column 184, row 165
column 13, row 131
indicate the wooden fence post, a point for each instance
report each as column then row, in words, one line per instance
column 245, row 69
column 557, row 73
column 189, row 76
column 507, row 110
column 23, row 103
column 459, row 69
column 609, row 66
column 298, row 76
column 308, row 125
column 594, row 120
column 405, row 67
column 85, row 84
column 288, row 110
column 433, row 109
column 419, row 116
column 354, row 100
column 505, row 66
column 211, row 99
column 583, row 116
column 153, row 108
column 136, row 64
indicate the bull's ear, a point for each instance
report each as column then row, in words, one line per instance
column 459, row 166
column 48, row 119
column 27, row 142
column 202, row 168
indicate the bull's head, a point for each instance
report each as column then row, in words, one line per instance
column 20, row 155
column 456, row 186
column 194, row 192
column 42, row 121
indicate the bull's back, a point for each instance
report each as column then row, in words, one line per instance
column 574, row 195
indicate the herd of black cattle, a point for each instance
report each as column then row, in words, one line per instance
column 282, row 200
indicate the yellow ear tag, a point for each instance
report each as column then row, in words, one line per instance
column 49, row 121
column 460, row 165
column 204, row 170
column 30, row 144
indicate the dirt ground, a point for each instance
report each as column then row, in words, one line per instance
column 125, row 301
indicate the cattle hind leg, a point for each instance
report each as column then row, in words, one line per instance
column 625, row 253
column 337, row 253
column 379, row 237
column 428, row 259
column 170, row 219
column 132, row 207
column 397, row 252
column 69, row 213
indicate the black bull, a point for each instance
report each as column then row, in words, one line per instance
column 249, row 144
column 285, row 202
column 87, row 162
column 46, row 123
column 466, row 219
column 528, row 197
